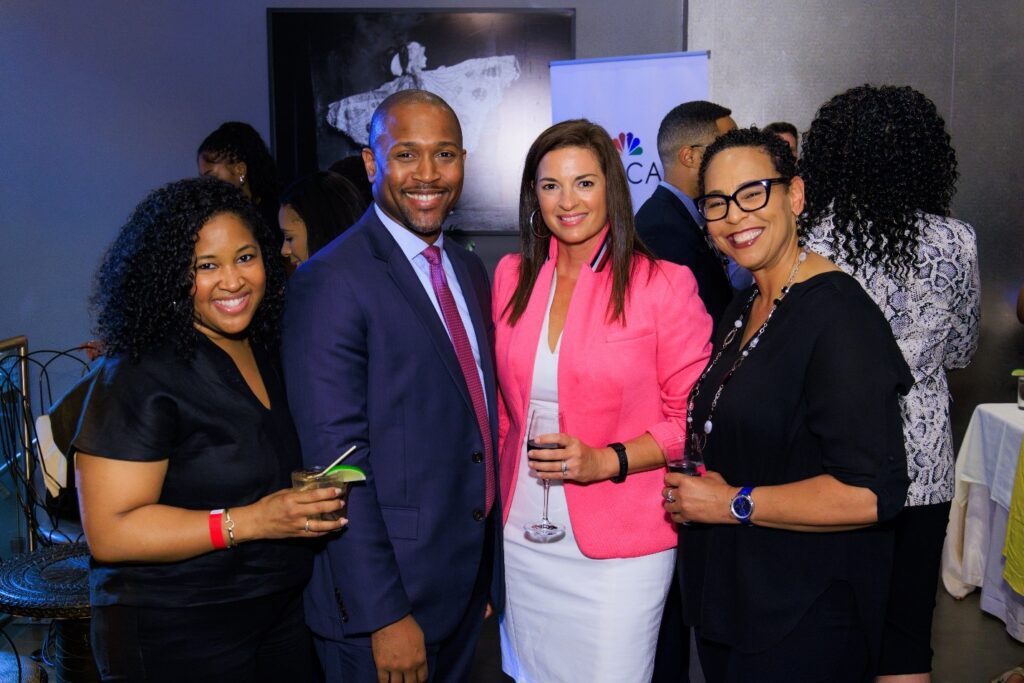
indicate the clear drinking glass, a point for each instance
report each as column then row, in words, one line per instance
column 305, row 480
column 678, row 460
column 542, row 423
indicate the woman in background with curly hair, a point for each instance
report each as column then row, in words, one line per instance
column 880, row 173
column 185, row 450
column 236, row 154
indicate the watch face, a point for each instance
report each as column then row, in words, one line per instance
column 741, row 507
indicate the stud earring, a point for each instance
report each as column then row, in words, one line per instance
column 241, row 179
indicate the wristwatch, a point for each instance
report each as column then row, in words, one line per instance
column 742, row 505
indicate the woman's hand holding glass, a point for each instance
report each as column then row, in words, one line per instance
column 289, row 514
column 574, row 461
column 703, row 499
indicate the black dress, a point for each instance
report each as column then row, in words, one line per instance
column 818, row 395
column 224, row 449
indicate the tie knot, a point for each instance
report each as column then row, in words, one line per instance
column 432, row 254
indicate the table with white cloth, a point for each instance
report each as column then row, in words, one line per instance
column 972, row 556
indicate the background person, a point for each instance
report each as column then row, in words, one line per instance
column 797, row 418
column 880, row 173
column 236, row 154
column 788, row 132
column 314, row 210
column 668, row 222
column 185, row 450
column 589, row 327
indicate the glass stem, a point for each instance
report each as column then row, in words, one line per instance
column 544, row 516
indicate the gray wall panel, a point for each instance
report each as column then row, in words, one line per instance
column 781, row 60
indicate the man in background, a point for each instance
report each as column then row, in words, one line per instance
column 668, row 221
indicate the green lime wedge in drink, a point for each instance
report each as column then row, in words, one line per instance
column 1019, row 372
column 348, row 473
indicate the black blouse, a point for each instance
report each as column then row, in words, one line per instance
column 818, row 395
column 224, row 449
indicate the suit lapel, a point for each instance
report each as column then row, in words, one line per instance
column 401, row 272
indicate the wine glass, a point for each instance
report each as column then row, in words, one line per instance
column 543, row 423
column 679, row 458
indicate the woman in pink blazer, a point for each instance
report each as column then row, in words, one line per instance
column 596, row 334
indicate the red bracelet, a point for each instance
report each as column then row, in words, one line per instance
column 216, row 533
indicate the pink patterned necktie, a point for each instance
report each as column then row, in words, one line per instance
column 464, row 352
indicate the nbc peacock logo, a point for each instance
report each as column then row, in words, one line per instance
column 628, row 144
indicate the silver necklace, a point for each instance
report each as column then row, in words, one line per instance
column 698, row 440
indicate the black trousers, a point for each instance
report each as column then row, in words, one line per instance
column 907, row 635
column 828, row 645
column 259, row 639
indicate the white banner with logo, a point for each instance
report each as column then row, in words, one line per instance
column 630, row 96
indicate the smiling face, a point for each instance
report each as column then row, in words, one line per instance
column 416, row 166
column 571, row 193
column 295, row 247
column 766, row 237
column 229, row 278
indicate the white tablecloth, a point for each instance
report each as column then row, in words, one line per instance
column 973, row 553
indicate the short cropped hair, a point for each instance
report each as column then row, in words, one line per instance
column 686, row 124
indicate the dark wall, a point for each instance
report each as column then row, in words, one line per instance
column 781, row 60
column 104, row 101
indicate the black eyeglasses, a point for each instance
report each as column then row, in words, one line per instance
column 749, row 197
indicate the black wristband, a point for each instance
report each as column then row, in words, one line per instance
column 620, row 451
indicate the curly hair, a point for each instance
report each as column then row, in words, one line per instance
column 143, row 294
column 235, row 141
column 873, row 158
column 775, row 147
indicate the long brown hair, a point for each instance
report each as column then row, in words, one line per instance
column 623, row 244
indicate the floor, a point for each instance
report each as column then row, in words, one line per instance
column 970, row 647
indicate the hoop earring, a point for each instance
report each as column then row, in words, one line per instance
column 533, row 226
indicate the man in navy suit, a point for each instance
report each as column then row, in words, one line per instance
column 387, row 346
column 668, row 222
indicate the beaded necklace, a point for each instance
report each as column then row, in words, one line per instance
column 698, row 440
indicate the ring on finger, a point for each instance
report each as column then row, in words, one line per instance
column 565, row 467
column 307, row 526
column 669, row 496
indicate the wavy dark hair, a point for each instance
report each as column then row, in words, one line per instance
column 327, row 203
column 873, row 158
column 143, row 291
column 624, row 245
column 771, row 144
column 236, row 141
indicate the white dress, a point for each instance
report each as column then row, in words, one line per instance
column 568, row 617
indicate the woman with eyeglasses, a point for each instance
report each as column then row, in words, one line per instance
column 880, row 174
column 784, row 547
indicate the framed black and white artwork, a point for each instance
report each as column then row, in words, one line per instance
column 330, row 69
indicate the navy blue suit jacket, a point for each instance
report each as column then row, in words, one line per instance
column 368, row 361
column 668, row 230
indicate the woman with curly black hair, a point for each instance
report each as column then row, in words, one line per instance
column 880, row 173
column 185, row 450
column 236, row 154
column 314, row 210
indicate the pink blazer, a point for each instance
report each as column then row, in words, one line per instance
column 615, row 382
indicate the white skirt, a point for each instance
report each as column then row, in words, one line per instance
column 569, row 617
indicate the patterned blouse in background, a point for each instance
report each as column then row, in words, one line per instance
column 934, row 311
